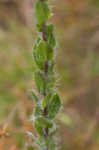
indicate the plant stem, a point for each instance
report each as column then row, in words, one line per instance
column 44, row 35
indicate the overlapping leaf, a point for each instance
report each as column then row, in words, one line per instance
column 42, row 52
column 42, row 12
column 41, row 123
column 50, row 35
column 54, row 106
column 34, row 96
column 40, row 82
column 38, row 111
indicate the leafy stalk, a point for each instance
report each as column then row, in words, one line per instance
column 49, row 104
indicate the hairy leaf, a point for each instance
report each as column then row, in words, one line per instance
column 50, row 35
column 35, row 98
column 39, row 128
column 54, row 106
column 46, row 100
column 50, row 83
column 42, row 12
column 50, row 143
column 42, row 53
column 40, row 82
column 41, row 123
column 38, row 111
column 44, row 122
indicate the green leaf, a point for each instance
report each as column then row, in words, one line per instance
column 41, row 123
column 50, row 143
column 38, row 111
column 37, row 42
column 35, row 98
column 41, row 142
column 50, row 35
column 50, row 52
column 44, row 122
column 46, row 100
column 39, row 28
column 50, row 67
column 42, row 12
column 40, row 82
column 50, row 83
column 42, row 52
column 54, row 106
column 39, row 128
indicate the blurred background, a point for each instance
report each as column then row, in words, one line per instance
column 77, row 65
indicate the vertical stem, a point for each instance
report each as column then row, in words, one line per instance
column 44, row 35
column 45, row 71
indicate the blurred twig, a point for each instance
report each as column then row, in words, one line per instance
column 10, row 115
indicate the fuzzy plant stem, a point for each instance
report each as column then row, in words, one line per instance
column 47, row 104
column 44, row 35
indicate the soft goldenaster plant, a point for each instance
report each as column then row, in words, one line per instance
column 48, row 104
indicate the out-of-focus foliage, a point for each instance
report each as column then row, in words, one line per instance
column 77, row 31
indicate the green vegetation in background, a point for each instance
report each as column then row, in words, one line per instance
column 15, row 65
